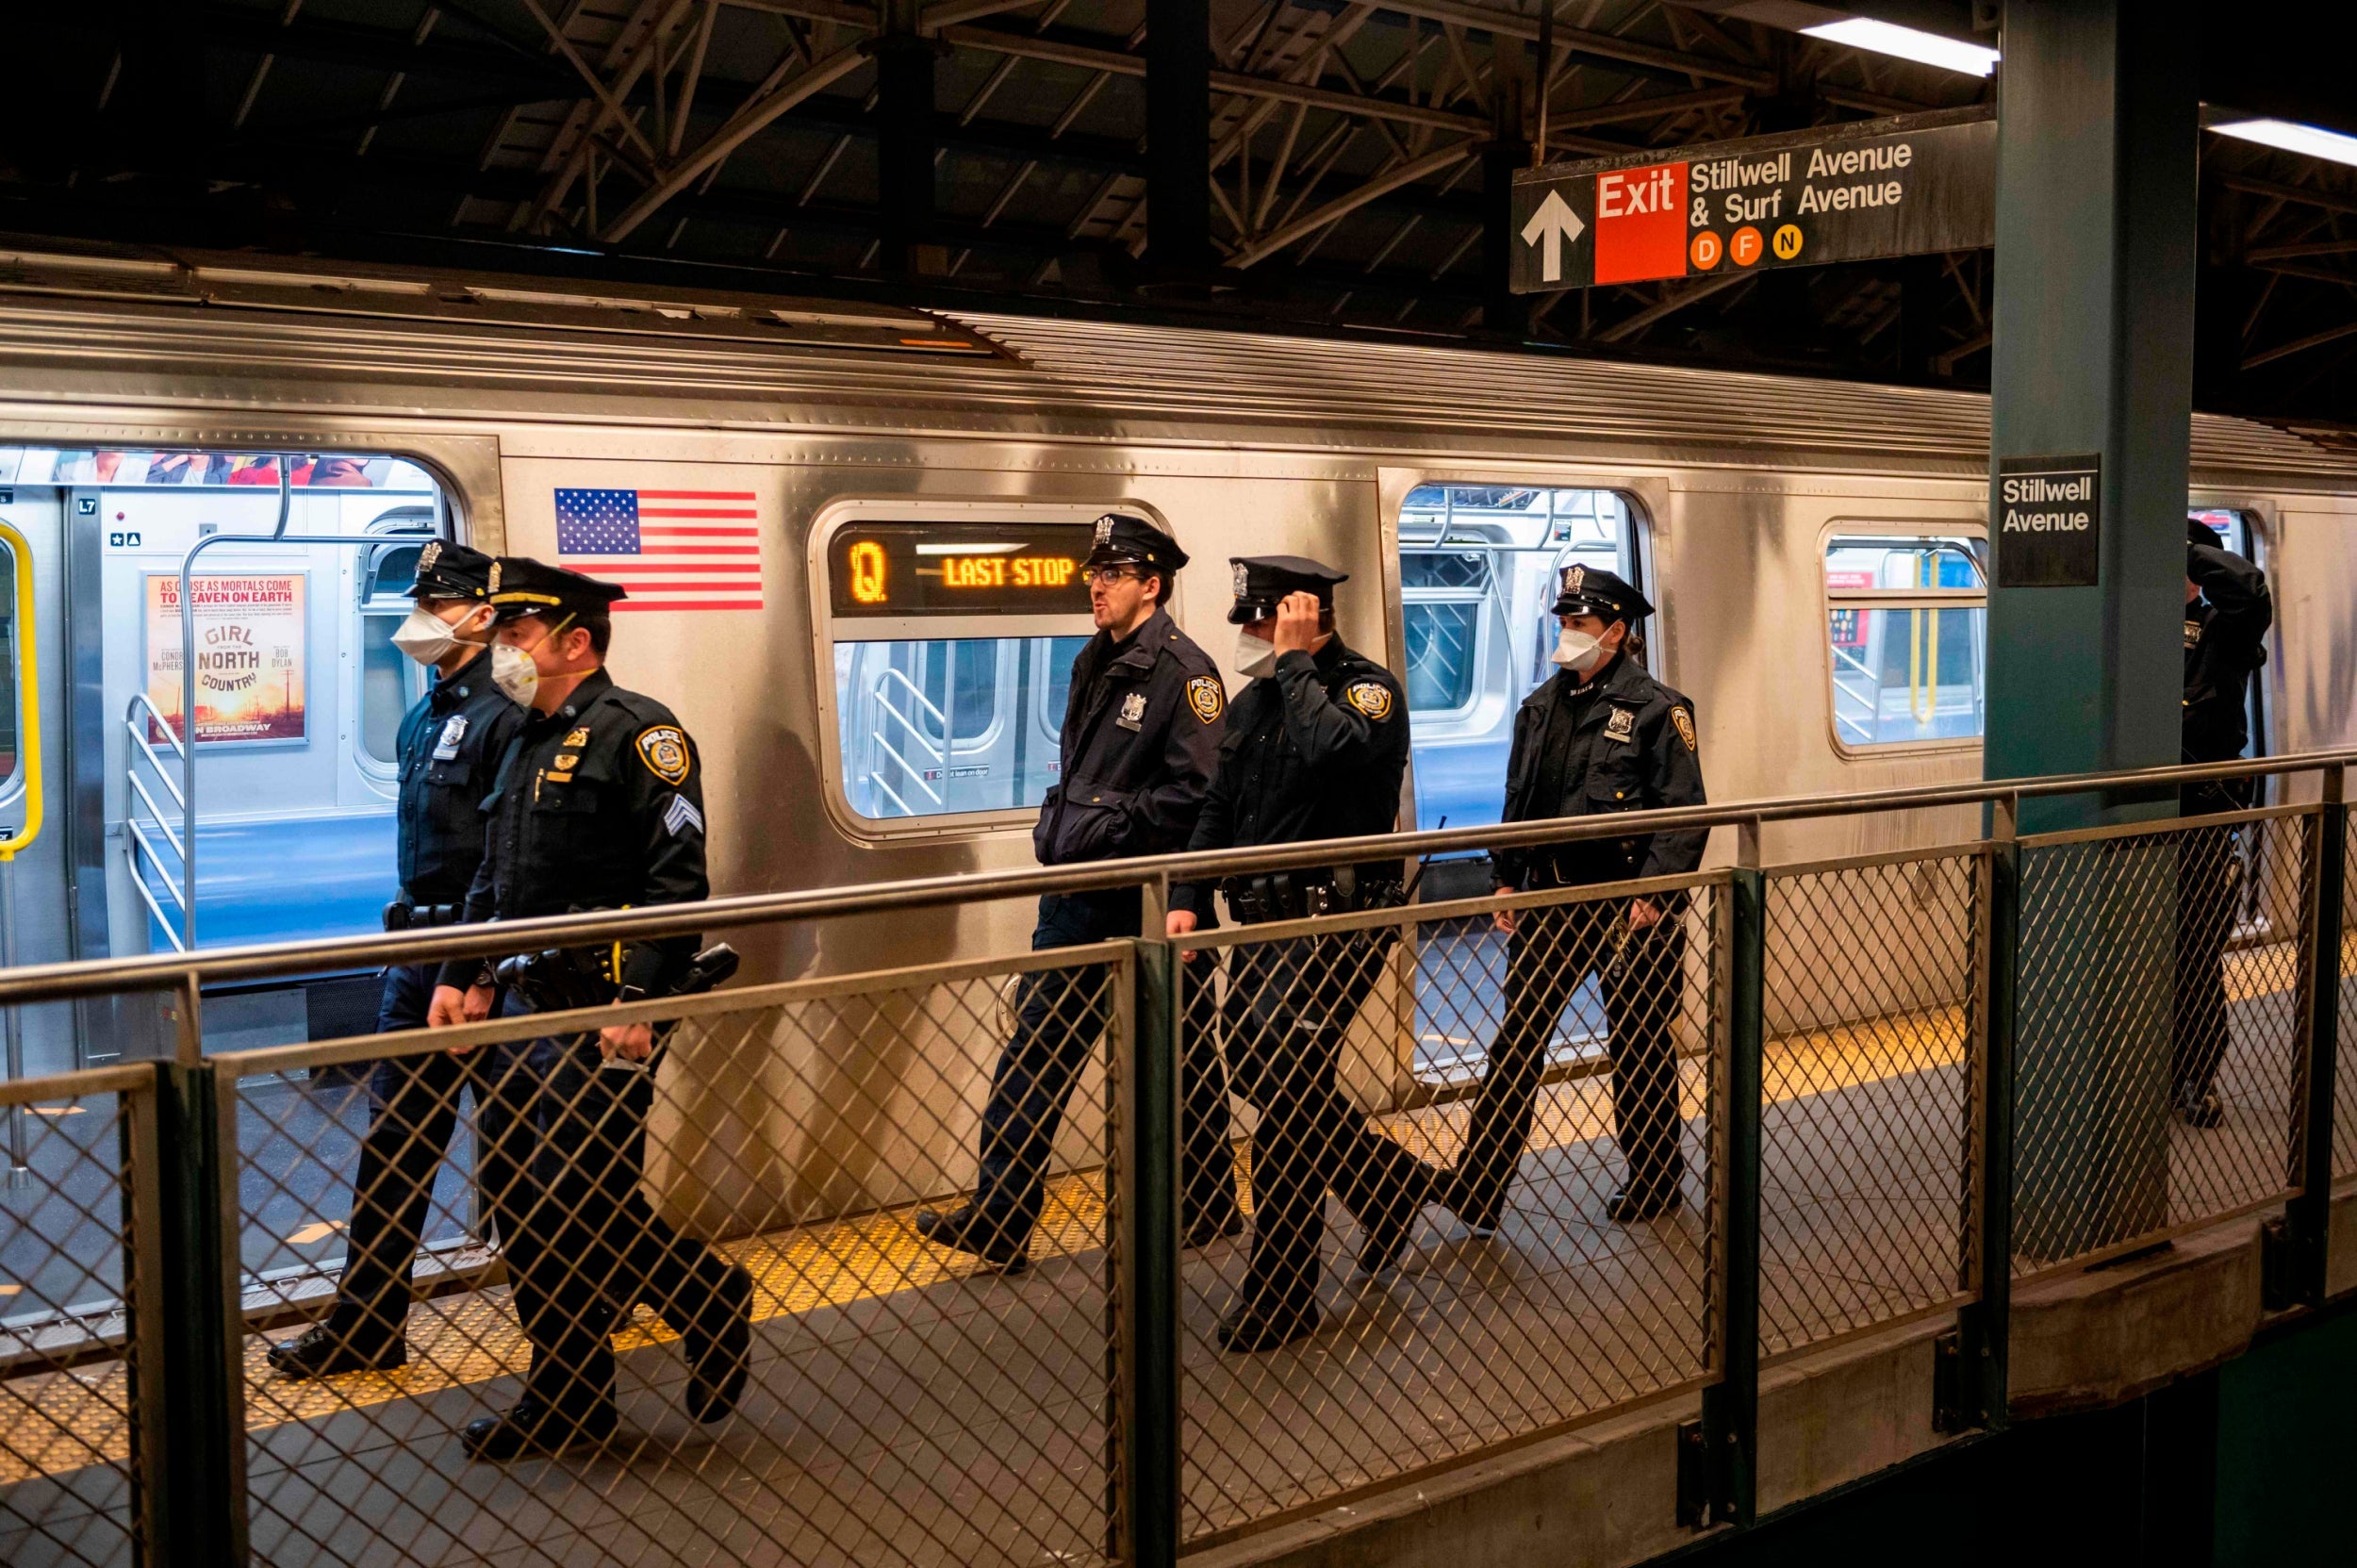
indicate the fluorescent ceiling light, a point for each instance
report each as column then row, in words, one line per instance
column 2285, row 135
column 1885, row 38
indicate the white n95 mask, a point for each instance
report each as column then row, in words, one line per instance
column 1577, row 652
column 1255, row 656
column 428, row 639
column 513, row 672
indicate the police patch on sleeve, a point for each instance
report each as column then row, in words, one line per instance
column 682, row 817
column 1372, row 698
column 1207, row 696
column 1684, row 722
column 663, row 748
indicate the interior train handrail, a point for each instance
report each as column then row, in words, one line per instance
column 26, row 787
column 136, row 726
column 185, row 972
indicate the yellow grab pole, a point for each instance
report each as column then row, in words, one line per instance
column 28, row 693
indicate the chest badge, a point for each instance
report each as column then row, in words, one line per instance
column 1622, row 725
column 578, row 738
column 1684, row 722
column 446, row 743
column 1133, row 713
column 1207, row 698
column 663, row 748
column 1372, row 698
column 567, row 760
column 2193, row 633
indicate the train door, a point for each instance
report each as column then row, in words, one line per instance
column 2238, row 531
column 281, row 827
column 33, row 684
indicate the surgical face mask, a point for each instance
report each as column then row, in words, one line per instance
column 428, row 639
column 513, row 672
column 1578, row 651
column 1255, row 656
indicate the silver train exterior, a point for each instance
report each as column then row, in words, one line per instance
column 1733, row 487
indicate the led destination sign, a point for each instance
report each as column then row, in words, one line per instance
column 1906, row 186
column 960, row 569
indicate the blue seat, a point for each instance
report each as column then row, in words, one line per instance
column 286, row 880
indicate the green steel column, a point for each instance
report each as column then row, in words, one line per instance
column 204, row 1518
column 2093, row 354
column 1146, row 1343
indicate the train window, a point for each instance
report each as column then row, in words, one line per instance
column 9, row 653
column 1906, row 625
column 951, row 630
column 1477, row 569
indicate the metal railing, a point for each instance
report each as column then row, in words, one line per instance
column 1846, row 1095
column 147, row 828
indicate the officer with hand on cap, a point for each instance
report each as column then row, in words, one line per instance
column 1142, row 729
column 1316, row 748
column 598, row 804
column 448, row 742
column 2228, row 611
column 1600, row 736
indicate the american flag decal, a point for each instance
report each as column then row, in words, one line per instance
column 673, row 550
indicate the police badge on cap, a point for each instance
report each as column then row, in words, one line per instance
column 1263, row 580
column 1127, row 542
column 1592, row 590
column 448, row 570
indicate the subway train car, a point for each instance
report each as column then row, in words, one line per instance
column 840, row 528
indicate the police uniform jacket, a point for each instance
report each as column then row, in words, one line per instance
column 2225, row 644
column 1141, row 736
column 1314, row 749
column 450, row 744
column 1622, row 742
column 598, row 806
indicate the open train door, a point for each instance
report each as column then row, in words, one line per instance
column 36, row 906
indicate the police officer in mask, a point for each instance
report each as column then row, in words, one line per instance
column 1316, row 746
column 1600, row 736
column 449, row 743
column 2228, row 611
column 1142, row 729
column 598, row 804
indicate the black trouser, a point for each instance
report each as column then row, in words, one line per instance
column 413, row 1114
column 2208, row 885
column 590, row 1244
column 1288, row 1006
column 1062, row 1015
column 1551, row 953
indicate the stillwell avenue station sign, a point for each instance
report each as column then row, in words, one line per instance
column 1908, row 185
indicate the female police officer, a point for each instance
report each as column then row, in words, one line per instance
column 1600, row 736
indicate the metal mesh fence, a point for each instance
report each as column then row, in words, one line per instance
column 1471, row 1282
column 2345, row 1019
column 70, row 1270
column 1868, row 1107
column 2159, row 1032
column 713, row 1322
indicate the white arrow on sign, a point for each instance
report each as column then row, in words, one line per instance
column 1553, row 226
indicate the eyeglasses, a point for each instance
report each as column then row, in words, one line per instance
column 1105, row 577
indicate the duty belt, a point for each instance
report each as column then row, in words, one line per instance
column 403, row 913
column 1303, row 895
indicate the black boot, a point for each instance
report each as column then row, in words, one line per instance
column 1452, row 1192
column 718, row 1342
column 324, row 1350
column 1387, row 1231
column 1251, row 1328
column 2201, row 1111
column 532, row 1427
column 1648, row 1201
column 967, row 1229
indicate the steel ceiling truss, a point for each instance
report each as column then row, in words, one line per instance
column 1349, row 142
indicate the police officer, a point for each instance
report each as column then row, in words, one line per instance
column 1316, row 746
column 598, row 804
column 1142, row 729
column 1600, row 735
column 450, row 741
column 2228, row 611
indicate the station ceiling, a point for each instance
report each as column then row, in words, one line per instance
column 736, row 142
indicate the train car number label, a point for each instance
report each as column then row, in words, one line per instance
column 1909, row 185
column 2047, row 522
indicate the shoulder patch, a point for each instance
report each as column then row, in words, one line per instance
column 682, row 817
column 1207, row 696
column 663, row 748
column 1684, row 722
column 1372, row 698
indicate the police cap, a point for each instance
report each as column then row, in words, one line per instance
column 1123, row 541
column 1592, row 590
column 447, row 570
column 523, row 587
column 2198, row 532
column 1264, row 580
